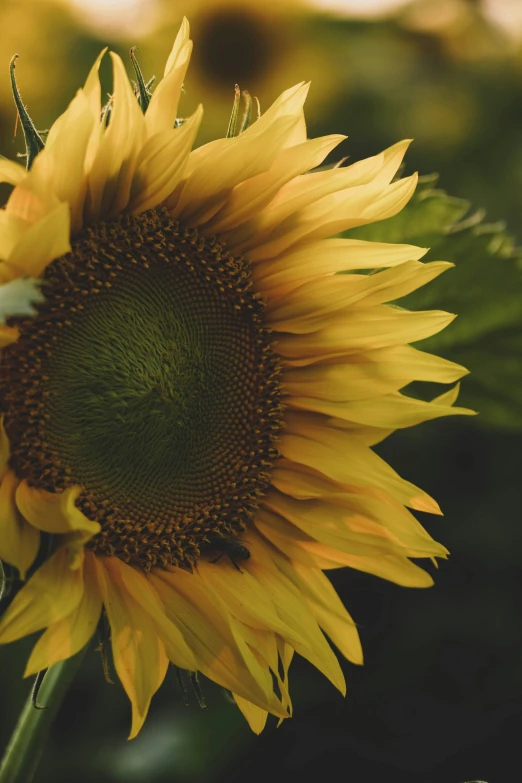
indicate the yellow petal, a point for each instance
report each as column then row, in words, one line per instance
column 19, row 540
column 360, row 330
column 40, row 244
column 92, row 91
column 300, row 547
column 326, row 607
column 161, row 113
column 141, row 591
column 52, row 593
column 289, row 104
column 208, row 186
column 11, row 172
column 369, row 374
column 61, row 164
column 299, row 202
column 334, row 213
column 54, row 512
column 296, row 614
column 255, row 716
column 252, row 195
column 326, row 257
column 357, row 524
column 213, row 637
column 32, row 199
column 161, row 163
column 314, row 303
column 244, row 596
column 393, row 411
column 12, row 228
column 92, row 87
column 139, row 654
column 69, row 635
column 342, row 457
column 113, row 164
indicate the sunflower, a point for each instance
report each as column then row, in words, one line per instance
column 188, row 417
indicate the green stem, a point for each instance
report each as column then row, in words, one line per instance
column 30, row 735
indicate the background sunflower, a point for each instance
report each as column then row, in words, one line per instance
column 439, row 696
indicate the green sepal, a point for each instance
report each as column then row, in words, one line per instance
column 33, row 141
column 143, row 92
column 232, row 123
column 247, row 113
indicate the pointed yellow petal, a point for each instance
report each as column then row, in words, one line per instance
column 352, row 184
column 300, row 547
column 19, row 540
column 221, row 653
column 70, row 634
column 161, row 113
column 40, row 244
column 113, row 165
column 210, row 183
column 251, row 195
column 392, row 200
column 393, row 411
column 310, row 198
column 61, row 164
column 341, row 456
column 32, row 199
column 11, row 172
column 141, row 591
column 327, row 608
column 334, row 213
column 52, row 593
column 371, row 374
column 161, row 163
column 255, row 716
column 139, row 654
column 244, row 596
column 289, row 104
column 92, row 87
column 296, row 614
column 357, row 524
column 362, row 330
column 326, row 257
column 314, row 303
column 12, row 229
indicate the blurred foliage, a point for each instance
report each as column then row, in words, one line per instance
column 440, row 696
column 484, row 289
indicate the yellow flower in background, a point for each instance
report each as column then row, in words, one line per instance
column 261, row 46
column 190, row 413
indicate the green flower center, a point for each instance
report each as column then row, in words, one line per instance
column 149, row 379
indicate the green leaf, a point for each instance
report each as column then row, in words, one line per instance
column 484, row 289
column 19, row 297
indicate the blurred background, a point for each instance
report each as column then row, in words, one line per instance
column 439, row 699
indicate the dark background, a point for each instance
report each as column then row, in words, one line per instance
column 439, row 699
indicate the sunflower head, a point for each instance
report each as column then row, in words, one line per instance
column 190, row 400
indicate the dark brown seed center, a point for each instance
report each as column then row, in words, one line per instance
column 148, row 378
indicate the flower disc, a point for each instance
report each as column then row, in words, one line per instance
column 148, row 378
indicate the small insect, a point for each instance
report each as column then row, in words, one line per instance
column 233, row 549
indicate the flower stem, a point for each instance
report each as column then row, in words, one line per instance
column 30, row 735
